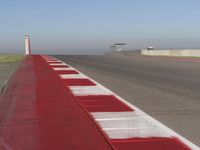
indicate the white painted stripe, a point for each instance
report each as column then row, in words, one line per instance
column 47, row 56
column 111, row 119
column 73, row 76
column 123, row 125
column 139, row 128
column 121, row 116
column 67, row 68
column 88, row 90
column 49, row 59
column 58, row 64
column 52, row 61
column 136, row 133
column 103, row 115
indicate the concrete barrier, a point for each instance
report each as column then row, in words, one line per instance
column 185, row 53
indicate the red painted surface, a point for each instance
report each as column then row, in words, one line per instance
column 62, row 122
column 78, row 82
column 59, row 66
column 38, row 112
column 18, row 116
column 103, row 103
column 66, row 72
column 150, row 144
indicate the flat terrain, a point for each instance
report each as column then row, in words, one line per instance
column 8, row 64
column 167, row 89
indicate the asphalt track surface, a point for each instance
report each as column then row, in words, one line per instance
column 166, row 88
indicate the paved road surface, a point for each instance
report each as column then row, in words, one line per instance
column 167, row 89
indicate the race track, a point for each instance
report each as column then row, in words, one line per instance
column 166, row 88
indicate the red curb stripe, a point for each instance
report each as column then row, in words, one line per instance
column 150, row 144
column 59, row 66
column 103, row 103
column 66, row 72
column 78, row 82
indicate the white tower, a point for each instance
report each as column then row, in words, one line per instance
column 27, row 45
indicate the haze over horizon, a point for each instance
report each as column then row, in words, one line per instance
column 90, row 27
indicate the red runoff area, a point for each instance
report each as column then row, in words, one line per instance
column 41, row 113
column 18, row 116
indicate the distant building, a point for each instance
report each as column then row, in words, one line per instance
column 118, row 47
column 150, row 48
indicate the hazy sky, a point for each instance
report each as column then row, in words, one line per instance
column 91, row 26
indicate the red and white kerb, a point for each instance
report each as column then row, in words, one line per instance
column 125, row 126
